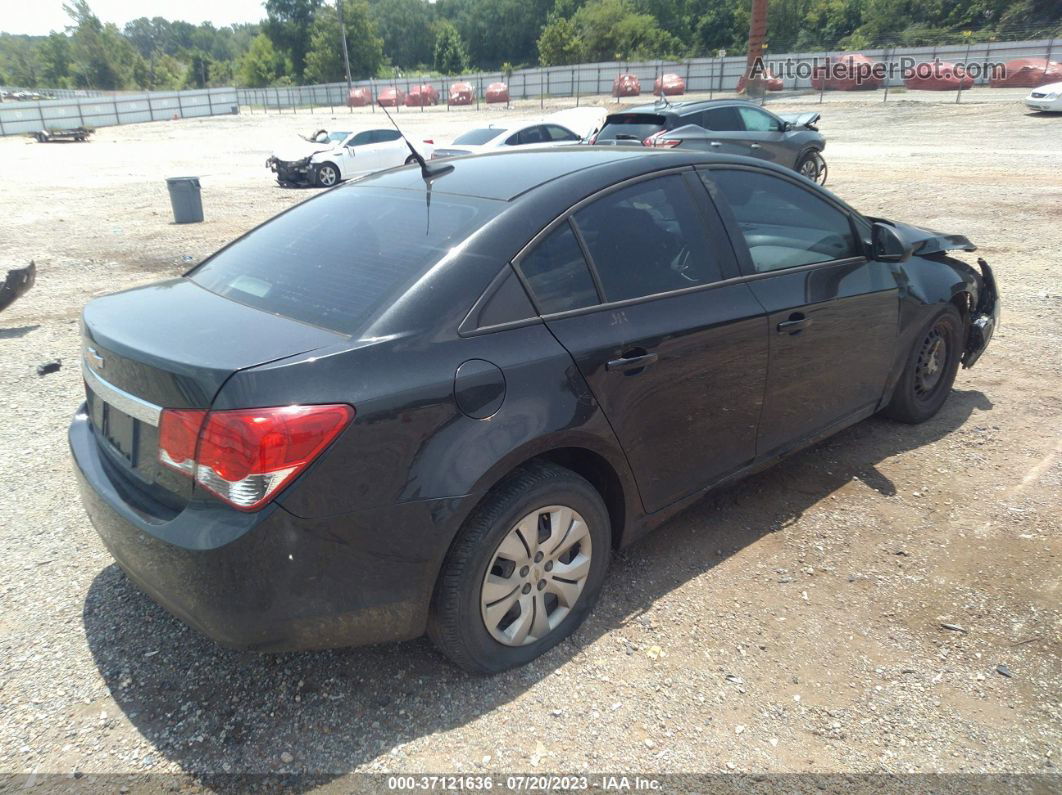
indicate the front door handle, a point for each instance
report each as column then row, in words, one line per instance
column 636, row 362
column 755, row 146
column 794, row 325
column 714, row 143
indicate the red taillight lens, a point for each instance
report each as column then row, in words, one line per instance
column 178, row 434
column 654, row 140
column 429, row 140
column 247, row 455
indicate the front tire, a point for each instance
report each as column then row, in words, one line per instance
column 930, row 369
column 813, row 166
column 524, row 571
column 327, row 175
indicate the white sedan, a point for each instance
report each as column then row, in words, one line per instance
column 561, row 129
column 331, row 157
column 1047, row 98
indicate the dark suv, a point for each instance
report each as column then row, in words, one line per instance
column 722, row 126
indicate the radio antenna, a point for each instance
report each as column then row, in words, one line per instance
column 427, row 172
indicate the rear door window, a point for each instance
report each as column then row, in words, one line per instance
column 339, row 259
column 558, row 133
column 784, row 225
column 725, row 119
column 557, row 273
column 648, row 238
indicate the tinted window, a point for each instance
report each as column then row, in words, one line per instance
column 722, row 119
column 646, row 239
column 532, row 135
column 480, row 136
column 361, row 138
column 631, row 126
column 558, row 133
column 384, row 136
column 757, row 120
column 557, row 273
column 784, row 225
column 338, row 259
column 508, row 303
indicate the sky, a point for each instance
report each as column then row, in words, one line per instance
column 39, row 17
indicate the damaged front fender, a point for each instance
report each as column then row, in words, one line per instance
column 984, row 318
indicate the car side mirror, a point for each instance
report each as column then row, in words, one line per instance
column 784, row 126
column 887, row 244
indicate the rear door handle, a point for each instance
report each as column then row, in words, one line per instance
column 755, row 146
column 794, row 325
column 714, row 143
column 631, row 362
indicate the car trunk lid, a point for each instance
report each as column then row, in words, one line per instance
column 171, row 345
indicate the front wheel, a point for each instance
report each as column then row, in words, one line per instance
column 327, row 175
column 930, row 369
column 813, row 166
column 525, row 570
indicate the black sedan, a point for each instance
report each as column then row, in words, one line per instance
column 438, row 404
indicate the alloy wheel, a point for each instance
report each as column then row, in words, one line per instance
column 536, row 575
column 327, row 175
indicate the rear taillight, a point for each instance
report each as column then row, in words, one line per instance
column 429, row 140
column 246, row 456
column 654, row 140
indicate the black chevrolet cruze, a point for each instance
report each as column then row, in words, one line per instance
column 438, row 404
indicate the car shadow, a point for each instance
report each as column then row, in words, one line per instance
column 216, row 711
column 15, row 332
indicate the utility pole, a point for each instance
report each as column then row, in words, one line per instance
column 343, row 36
column 756, row 86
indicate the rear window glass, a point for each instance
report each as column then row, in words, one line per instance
column 631, row 126
column 336, row 260
column 480, row 136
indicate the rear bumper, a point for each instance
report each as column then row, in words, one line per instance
column 985, row 317
column 270, row 581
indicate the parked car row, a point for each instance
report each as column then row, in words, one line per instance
column 737, row 127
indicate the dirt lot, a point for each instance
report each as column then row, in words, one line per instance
column 791, row 623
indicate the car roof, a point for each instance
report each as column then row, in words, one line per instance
column 679, row 108
column 506, row 175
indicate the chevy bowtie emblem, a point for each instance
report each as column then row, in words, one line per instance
column 94, row 359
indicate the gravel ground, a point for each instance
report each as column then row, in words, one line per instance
column 795, row 622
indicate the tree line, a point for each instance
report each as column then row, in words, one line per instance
column 298, row 41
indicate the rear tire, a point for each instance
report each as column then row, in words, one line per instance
column 410, row 160
column 327, row 175
column 930, row 369
column 524, row 571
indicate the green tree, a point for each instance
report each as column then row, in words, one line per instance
column 559, row 44
column 451, row 57
column 407, row 29
column 324, row 59
column 289, row 24
column 262, row 65
column 54, row 56
column 611, row 30
column 100, row 56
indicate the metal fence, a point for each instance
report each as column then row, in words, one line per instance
column 702, row 75
column 117, row 108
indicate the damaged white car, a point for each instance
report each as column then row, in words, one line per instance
column 327, row 158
